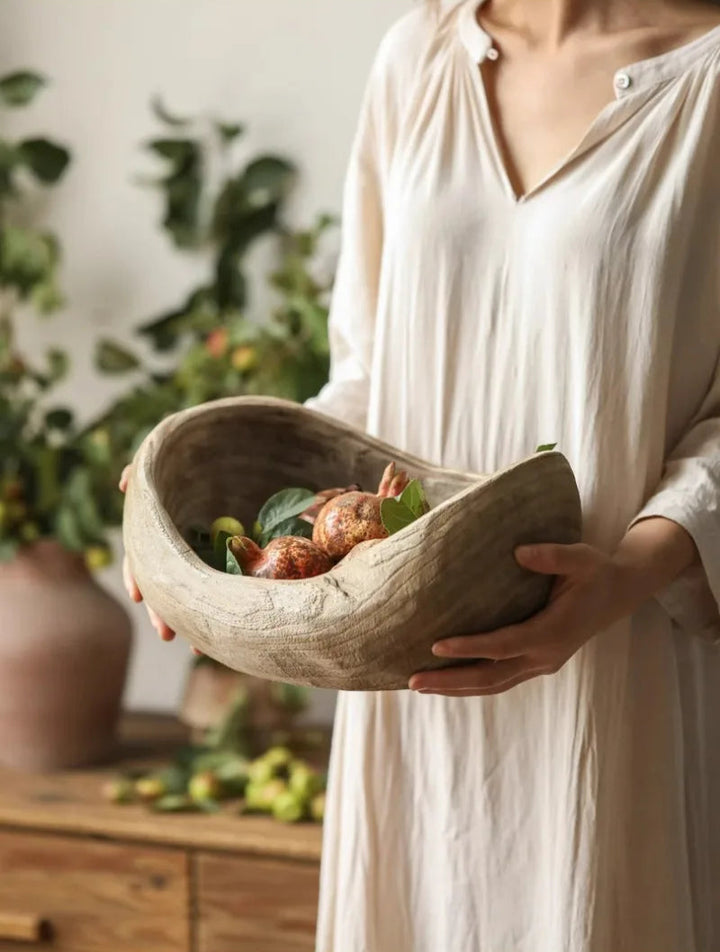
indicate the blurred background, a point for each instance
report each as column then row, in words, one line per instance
column 170, row 194
column 290, row 74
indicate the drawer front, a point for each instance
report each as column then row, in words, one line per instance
column 256, row 905
column 96, row 897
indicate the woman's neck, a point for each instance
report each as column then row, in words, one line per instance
column 547, row 23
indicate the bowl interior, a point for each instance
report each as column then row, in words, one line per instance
column 228, row 459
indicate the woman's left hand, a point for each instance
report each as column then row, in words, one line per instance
column 591, row 592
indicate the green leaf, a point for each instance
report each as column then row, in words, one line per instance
column 232, row 566
column 546, row 447
column 288, row 527
column 67, row 529
column 283, row 506
column 413, row 496
column 59, row 419
column 180, row 151
column 20, row 88
column 181, row 218
column 267, row 179
column 111, row 358
column 8, row 549
column 80, row 495
column 47, row 490
column 27, row 258
column 44, row 158
column 162, row 113
column 58, row 364
column 220, row 550
column 230, row 282
column 395, row 515
column 175, row 803
column 229, row 130
column 9, row 158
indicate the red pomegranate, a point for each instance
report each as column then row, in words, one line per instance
column 354, row 517
column 285, row 558
column 311, row 513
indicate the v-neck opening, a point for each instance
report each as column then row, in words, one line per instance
column 598, row 128
column 628, row 81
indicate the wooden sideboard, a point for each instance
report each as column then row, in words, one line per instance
column 78, row 874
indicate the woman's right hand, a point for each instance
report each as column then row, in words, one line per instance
column 165, row 632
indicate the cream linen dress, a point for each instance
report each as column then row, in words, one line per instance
column 578, row 812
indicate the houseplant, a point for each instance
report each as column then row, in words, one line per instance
column 219, row 203
column 64, row 643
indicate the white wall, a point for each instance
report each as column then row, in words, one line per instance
column 292, row 69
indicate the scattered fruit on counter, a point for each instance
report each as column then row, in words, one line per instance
column 299, row 533
column 277, row 784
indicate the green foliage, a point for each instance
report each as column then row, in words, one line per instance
column 19, row 89
column 409, row 506
column 213, row 347
column 55, row 479
column 278, row 517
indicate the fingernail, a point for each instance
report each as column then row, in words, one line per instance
column 440, row 648
column 523, row 552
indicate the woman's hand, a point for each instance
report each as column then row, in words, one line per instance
column 592, row 591
column 165, row 632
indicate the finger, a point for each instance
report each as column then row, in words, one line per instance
column 125, row 478
column 487, row 692
column 470, row 677
column 499, row 645
column 196, row 651
column 166, row 633
column 549, row 559
column 130, row 583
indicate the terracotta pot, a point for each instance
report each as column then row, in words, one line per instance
column 64, row 650
column 211, row 689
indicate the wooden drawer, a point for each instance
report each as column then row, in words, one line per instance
column 256, row 905
column 97, row 897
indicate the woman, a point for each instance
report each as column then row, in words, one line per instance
column 531, row 252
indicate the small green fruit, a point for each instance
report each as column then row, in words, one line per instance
column 262, row 796
column 317, row 807
column 260, row 771
column 204, row 786
column 304, row 781
column 226, row 524
column 120, row 790
column 288, row 807
column 150, row 788
column 278, row 757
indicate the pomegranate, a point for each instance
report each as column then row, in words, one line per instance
column 354, row 517
column 311, row 513
column 284, row 558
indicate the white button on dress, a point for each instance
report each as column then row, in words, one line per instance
column 622, row 81
column 578, row 812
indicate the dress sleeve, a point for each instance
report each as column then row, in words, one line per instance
column 689, row 494
column 355, row 293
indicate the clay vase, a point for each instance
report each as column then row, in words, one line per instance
column 211, row 689
column 64, row 650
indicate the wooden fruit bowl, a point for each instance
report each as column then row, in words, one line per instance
column 370, row 622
